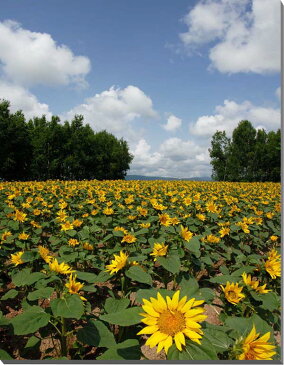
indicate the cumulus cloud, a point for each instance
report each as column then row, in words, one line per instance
column 115, row 109
column 228, row 115
column 173, row 123
column 174, row 158
column 22, row 99
column 240, row 40
column 28, row 58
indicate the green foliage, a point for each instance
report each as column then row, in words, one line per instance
column 251, row 155
column 126, row 350
column 68, row 307
column 41, row 149
column 96, row 333
column 125, row 317
column 136, row 273
column 113, row 305
column 4, row 355
column 170, row 263
column 30, row 321
column 194, row 351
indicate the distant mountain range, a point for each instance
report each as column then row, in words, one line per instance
column 141, row 177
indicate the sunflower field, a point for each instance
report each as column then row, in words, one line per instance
column 123, row 270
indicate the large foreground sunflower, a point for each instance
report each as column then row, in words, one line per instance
column 172, row 319
column 257, row 348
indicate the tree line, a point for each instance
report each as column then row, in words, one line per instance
column 39, row 149
column 250, row 155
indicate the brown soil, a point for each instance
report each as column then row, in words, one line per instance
column 151, row 354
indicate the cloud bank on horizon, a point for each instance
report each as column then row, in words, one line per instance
column 237, row 36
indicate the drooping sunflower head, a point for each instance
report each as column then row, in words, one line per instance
column 170, row 319
column 233, row 293
column 118, row 263
column 45, row 254
column 254, row 347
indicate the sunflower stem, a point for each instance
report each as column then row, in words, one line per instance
column 63, row 337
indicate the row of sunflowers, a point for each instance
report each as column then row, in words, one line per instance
column 115, row 270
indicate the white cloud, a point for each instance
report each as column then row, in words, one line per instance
column 174, row 158
column 22, row 99
column 228, row 116
column 115, row 110
column 173, row 123
column 30, row 58
column 244, row 40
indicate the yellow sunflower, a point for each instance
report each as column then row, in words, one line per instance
column 60, row 268
column 164, row 219
column 45, row 254
column 5, row 235
column 233, row 293
column 249, row 282
column 66, row 226
column 74, row 286
column 23, row 236
column 118, row 263
column 257, row 348
column 16, row 258
column 185, row 233
column 172, row 319
column 273, row 267
column 159, row 250
column 129, row 238
column 273, row 254
column 254, row 284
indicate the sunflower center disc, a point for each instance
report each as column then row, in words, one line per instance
column 171, row 322
column 232, row 295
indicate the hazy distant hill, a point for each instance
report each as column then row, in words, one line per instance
column 141, row 177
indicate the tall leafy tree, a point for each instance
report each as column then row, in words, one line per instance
column 111, row 155
column 40, row 149
column 242, row 152
column 219, row 153
column 274, row 155
column 15, row 144
column 251, row 155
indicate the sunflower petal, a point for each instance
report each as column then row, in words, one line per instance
column 149, row 330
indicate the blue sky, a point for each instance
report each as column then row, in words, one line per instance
column 163, row 74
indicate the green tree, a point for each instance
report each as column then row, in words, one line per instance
column 242, row 152
column 249, row 156
column 40, row 149
column 47, row 141
column 219, row 153
column 15, row 144
column 274, row 155
column 111, row 156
